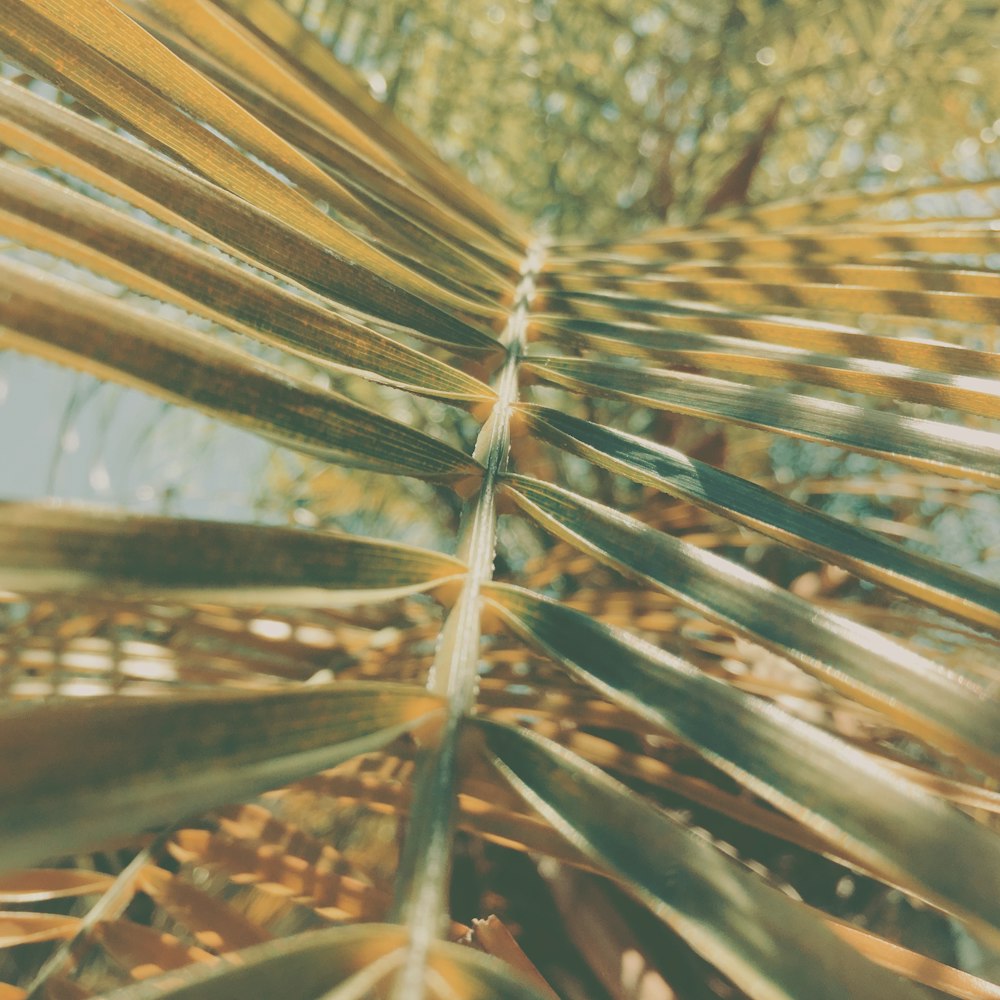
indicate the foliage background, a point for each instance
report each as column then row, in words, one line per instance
column 605, row 116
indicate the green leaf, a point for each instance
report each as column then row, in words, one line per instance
column 641, row 335
column 771, row 947
column 886, row 277
column 55, row 220
column 394, row 213
column 22, row 927
column 311, row 966
column 61, row 322
column 37, row 885
column 833, row 205
column 80, row 771
column 949, row 449
column 867, row 813
column 303, row 967
column 387, row 136
column 971, row 393
column 922, row 696
column 259, row 78
column 862, row 552
column 57, row 548
column 59, row 138
column 475, row 975
column 859, row 245
column 961, row 307
column 109, row 60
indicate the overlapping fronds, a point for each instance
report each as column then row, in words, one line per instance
column 626, row 664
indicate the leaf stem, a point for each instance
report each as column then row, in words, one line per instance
column 425, row 864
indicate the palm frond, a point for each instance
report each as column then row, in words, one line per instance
column 655, row 667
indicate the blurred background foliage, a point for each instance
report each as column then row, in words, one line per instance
column 601, row 117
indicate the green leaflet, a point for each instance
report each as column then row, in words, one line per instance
column 56, row 220
column 392, row 211
column 23, row 927
column 921, row 695
column 971, row 393
column 829, row 205
column 311, row 966
column 50, row 548
column 230, row 54
column 474, row 975
column 303, row 967
column 887, row 277
column 865, row 553
column 959, row 306
column 180, row 197
column 862, row 244
column 928, row 444
column 386, row 136
column 90, row 332
column 38, row 885
column 80, row 771
column 864, row 810
column 771, row 947
column 97, row 48
column 641, row 334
